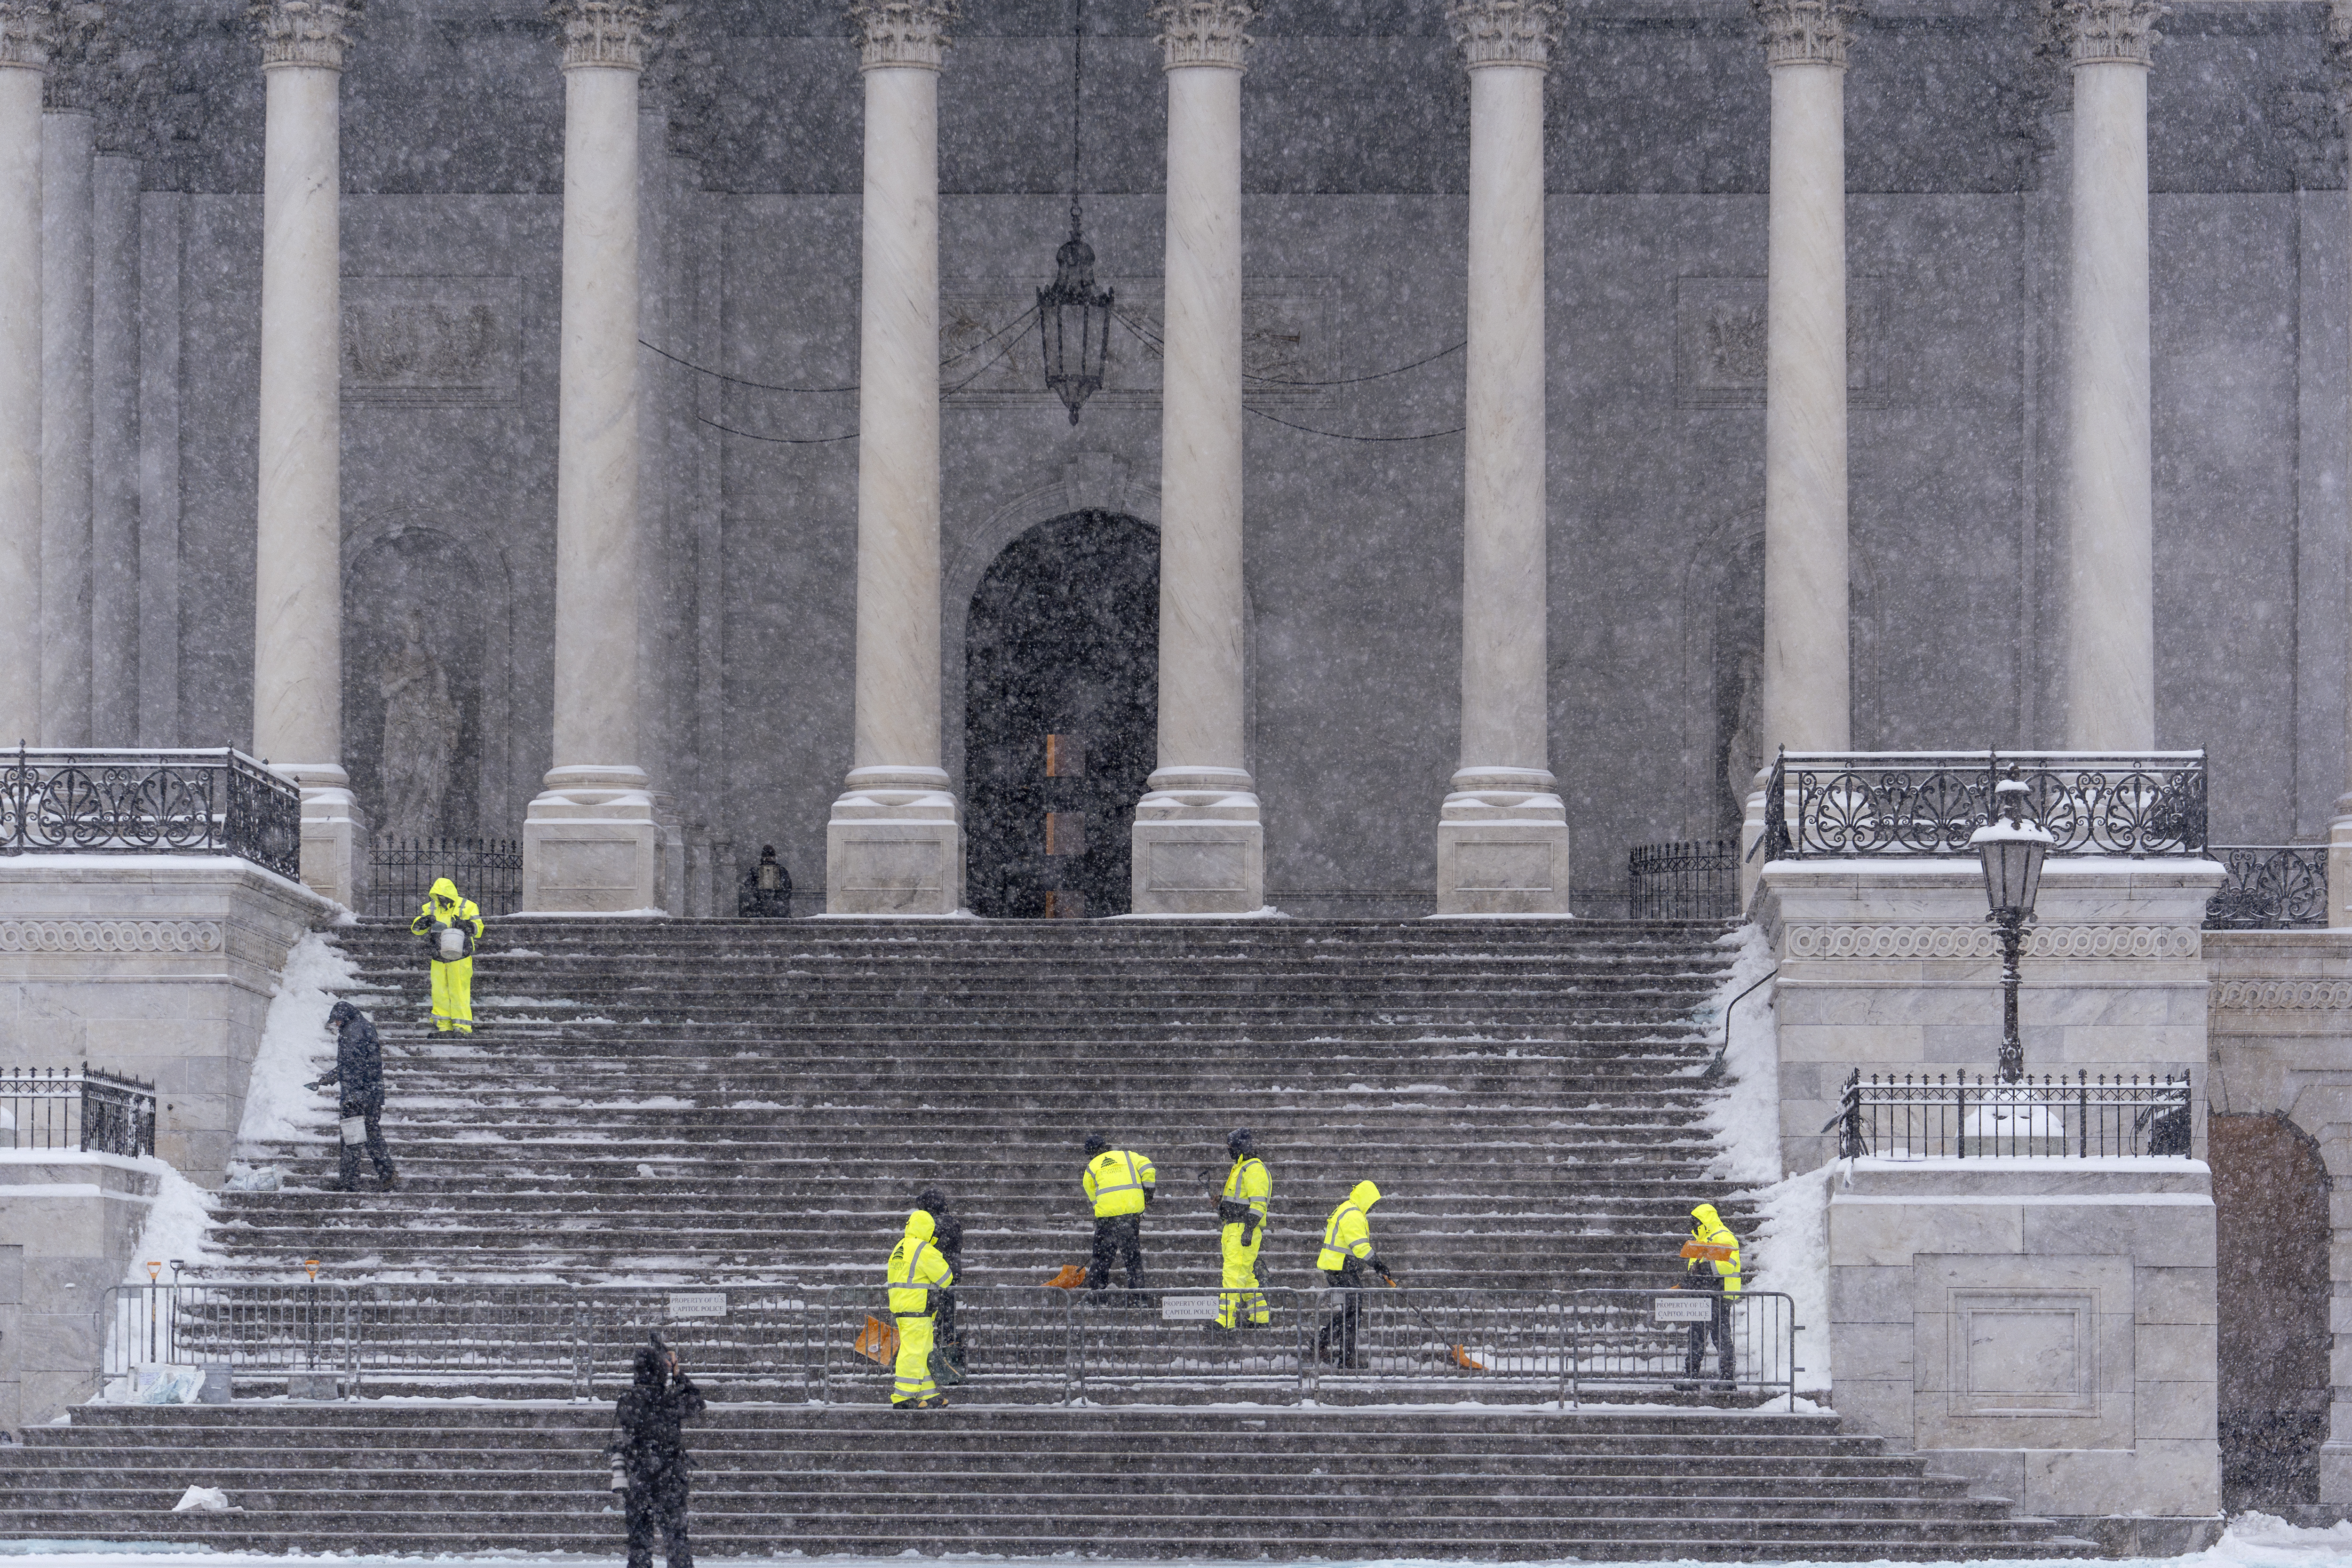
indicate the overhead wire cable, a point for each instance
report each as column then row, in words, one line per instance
column 1309, row 430
column 1021, row 320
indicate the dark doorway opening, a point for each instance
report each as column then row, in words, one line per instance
column 2270, row 1198
column 1061, row 716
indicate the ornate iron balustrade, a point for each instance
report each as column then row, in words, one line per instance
column 62, row 1108
column 1953, row 1116
column 1691, row 882
column 1927, row 804
column 144, row 803
column 2272, row 886
column 401, row 871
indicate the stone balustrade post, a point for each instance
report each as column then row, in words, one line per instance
column 297, row 648
column 24, row 35
column 1199, row 843
column 2111, row 566
column 894, row 843
column 592, row 842
column 1502, row 833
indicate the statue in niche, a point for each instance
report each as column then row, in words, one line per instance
column 420, row 736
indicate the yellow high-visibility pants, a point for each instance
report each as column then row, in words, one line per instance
column 1241, row 1298
column 914, row 1368
column 452, row 995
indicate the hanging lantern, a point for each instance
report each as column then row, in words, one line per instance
column 1075, row 322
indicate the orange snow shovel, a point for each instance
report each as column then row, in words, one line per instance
column 1068, row 1278
column 877, row 1341
column 1709, row 1251
column 1461, row 1357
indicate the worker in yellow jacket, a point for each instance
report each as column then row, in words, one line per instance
column 451, row 927
column 1119, row 1185
column 1721, row 1275
column 1349, row 1263
column 1241, row 1216
column 918, row 1274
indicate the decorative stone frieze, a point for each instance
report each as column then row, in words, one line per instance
column 26, row 30
column 901, row 32
column 312, row 33
column 1806, row 32
column 2108, row 32
column 1977, row 941
column 1505, row 32
column 109, row 936
column 606, row 33
column 1204, row 32
column 2283, row 995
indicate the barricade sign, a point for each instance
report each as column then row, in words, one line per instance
column 698, row 1303
column 1682, row 1309
column 1188, row 1309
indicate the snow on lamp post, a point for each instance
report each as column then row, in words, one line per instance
column 2012, row 848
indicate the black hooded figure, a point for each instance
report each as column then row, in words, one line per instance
column 651, row 1455
column 358, row 1078
column 946, row 1239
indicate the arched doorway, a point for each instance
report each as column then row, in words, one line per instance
column 1061, row 715
column 2270, row 1203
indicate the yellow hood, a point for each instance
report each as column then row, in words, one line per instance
column 443, row 888
column 1364, row 1194
column 1704, row 1219
column 921, row 1227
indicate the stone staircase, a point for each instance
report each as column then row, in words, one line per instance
column 1134, row 1483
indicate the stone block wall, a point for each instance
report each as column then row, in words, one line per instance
column 2046, row 1326
column 71, row 1222
column 1889, row 966
column 158, row 966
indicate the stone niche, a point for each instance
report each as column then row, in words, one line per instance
column 2046, row 1327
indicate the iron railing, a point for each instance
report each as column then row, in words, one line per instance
column 1023, row 1343
column 2272, row 886
column 77, row 1108
column 145, row 803
column 1693, row 881
column 1925, row 804
column 403, row 871
column 1952, row 1115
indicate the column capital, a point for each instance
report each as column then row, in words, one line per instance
column 2108, row 32
column 80, row 44
column 1505, row 32
column 1806, row 32
column 613, row 34
column 1204, row 32
column 26, row 28
column 311, row 33
column 901, row 32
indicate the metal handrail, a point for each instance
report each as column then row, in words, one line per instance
column 127, row 802
column 81, row 1109
column 2269, row 886
column 1953, row 1116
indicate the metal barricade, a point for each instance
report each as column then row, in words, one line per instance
column 1632, row 1340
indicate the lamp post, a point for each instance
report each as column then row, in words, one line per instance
column 2012, row 848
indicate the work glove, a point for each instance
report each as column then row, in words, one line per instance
column 1148, row 1194
column 1249, row 1230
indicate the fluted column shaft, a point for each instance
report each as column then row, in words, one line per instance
column 1502, row 837
column 2111, row 645
column 1806, row 699
column 1198, row 845
column 67, row 147
column 23, row 57
column 114, row 452
column 894, row 843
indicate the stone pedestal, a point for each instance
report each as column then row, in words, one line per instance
column 1501, row 850
column 1889, row 966
column 69, row 1227
column 159, row 966
column 2046, row 1328
column 334, row 833
column 593, row 844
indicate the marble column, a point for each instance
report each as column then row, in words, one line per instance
column 24, row 59
column 1806, row 700
column 895, row 842
column 1502, row 833
column 2339, row 829
column 591, row 840
column 2111, row 574
column 115, row 447
column 69, row 132
column 298, row 646
column 1200, row 847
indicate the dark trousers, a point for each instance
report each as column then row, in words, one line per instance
column 1121, row 1237
column 656, row 1508
column 1718, row 1327
column 945, row 1334
column 376, row 1152
column 1335, row 1341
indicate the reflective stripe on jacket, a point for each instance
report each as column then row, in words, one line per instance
column 1349, row 1232
column 915, row 1263
column 1248, row 1183
column 1115, row 1181
column 445, row 907
column 1708, row 1227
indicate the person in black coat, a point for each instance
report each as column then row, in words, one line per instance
column 947, row 1240
column 649, row 1461
column 358, row 1076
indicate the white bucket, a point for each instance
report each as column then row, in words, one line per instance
column 354, row 1129
column 453, row 944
